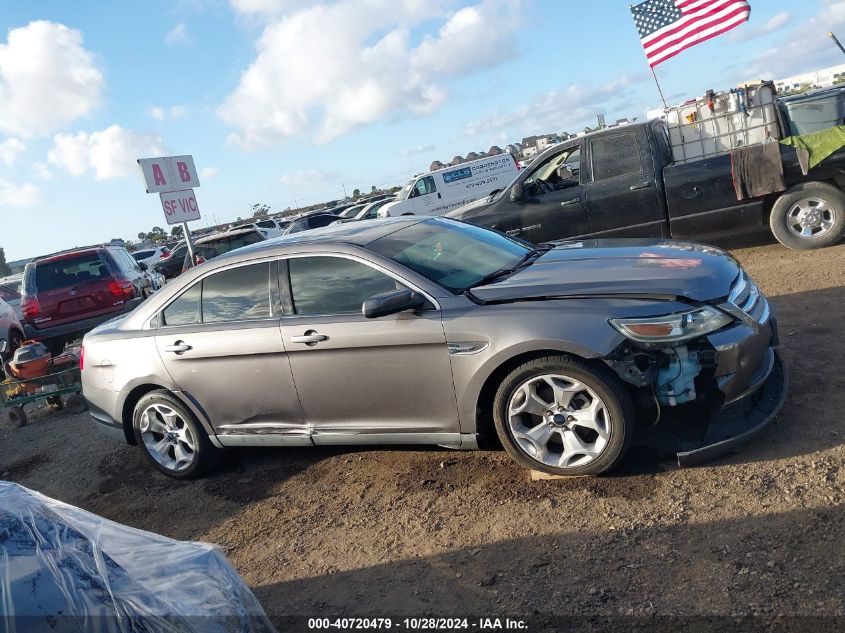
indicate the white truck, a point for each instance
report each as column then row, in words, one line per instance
column 441, row 191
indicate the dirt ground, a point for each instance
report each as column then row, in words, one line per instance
column 417, row 531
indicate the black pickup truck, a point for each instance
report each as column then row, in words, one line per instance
column 622, row 182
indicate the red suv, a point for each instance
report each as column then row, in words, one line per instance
column 69, row 293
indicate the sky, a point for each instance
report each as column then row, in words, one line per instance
column 294, row 102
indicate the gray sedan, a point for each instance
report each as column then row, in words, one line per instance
column 431, row 331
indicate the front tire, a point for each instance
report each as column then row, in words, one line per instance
column 171, row 437
column 809, row 216
column 563, row 416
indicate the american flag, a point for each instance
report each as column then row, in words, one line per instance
column 668, row 27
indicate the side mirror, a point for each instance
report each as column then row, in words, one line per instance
column 3, row 346
column 392, row 303
column 517, row 192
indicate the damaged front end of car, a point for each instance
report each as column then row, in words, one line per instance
column 705, row 380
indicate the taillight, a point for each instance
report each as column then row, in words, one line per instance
column 165, row 252
column 122, row 289
column 81, row 358
column 30, row 307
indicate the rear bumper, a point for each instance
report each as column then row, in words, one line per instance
column 747, row 416
column 77, row 328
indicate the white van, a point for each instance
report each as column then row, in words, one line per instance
column 441, row 191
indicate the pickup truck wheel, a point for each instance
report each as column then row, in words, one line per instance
column 811, row 215
column 562, row 416
column 171, row 438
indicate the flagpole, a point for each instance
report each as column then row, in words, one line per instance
column 659, row 89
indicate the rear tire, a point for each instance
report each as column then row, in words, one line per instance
column 171, row 437
column 809, row 216
column 563, row 416
column 76, row 404
column 16, row 416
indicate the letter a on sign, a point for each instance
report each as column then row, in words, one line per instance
column 169, row 173
column 157, row 175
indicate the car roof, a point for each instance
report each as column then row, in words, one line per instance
column 355, row 233
column 226, row 235
column 71, row 252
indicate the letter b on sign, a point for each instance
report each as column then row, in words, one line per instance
column 184, row 172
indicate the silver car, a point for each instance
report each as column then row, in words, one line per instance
column 431, row 331
column 11, row 332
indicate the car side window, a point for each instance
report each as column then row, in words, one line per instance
column 319, row 221
column 616, row 155
column 423, row 187
column 547, row 171
column 335, row 285
column 237, row 294
column 186, row 309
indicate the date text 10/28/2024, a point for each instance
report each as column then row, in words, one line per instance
column 417, row 624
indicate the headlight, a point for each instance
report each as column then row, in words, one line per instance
column 673, row 328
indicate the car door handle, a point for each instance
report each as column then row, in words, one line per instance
column 309, row 338
column 640, row 185
column 571, row 202
column 177, row 348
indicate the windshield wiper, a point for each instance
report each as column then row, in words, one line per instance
column 504, row 272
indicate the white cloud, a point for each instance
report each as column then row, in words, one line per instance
column 265, row 7
column 419, row 149
column 308, row 177
column 569, row 109
column 805, row 47
column 42, row 170
column 13, row 194
column 160, row 113
column 330, row 68
column 207, row 173
column 47, row 79
column 10, row 149
column 773, row 24
column 110, row 153
column 178, row 36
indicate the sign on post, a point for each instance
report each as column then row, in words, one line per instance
column 169, row 173
column 173, row 178
column 179, row 206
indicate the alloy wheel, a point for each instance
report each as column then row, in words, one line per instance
column 167, row 437
column 559, row 421
column 810, row 218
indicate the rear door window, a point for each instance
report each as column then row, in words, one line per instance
column 615, row 156
column 237, row 294
column 72, row 271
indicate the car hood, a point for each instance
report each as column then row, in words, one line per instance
column 471, row 208
column 646, row 268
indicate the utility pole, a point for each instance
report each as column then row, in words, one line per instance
column 837, row 42
column 344, row 191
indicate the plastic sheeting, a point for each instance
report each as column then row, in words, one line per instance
column 65, row 569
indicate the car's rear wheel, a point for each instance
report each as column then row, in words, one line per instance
column 171, row 437
column 809, row 216
column 563, row 416
column 14, row 342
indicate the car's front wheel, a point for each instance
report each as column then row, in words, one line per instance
column 171, row 437
column 563, row 416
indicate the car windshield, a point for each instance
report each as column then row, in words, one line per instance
column 406, row 190
column 10, row 292
column 69, row 271
column 452, row 254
